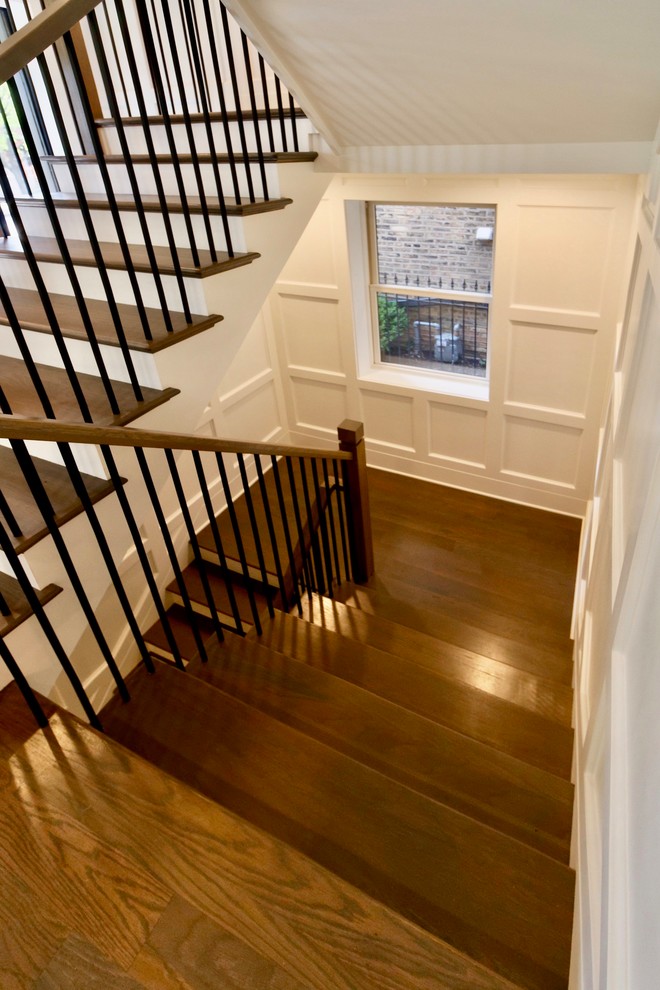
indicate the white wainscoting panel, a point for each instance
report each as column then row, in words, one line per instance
column 541, row 452
column 550, row 367
column 457, row 434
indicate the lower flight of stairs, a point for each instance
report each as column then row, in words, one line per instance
column 430, row 778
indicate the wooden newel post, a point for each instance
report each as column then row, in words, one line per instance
column 351, row 439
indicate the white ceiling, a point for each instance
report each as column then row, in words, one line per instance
column 467, row 72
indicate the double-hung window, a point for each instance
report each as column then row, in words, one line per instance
column 431, row 281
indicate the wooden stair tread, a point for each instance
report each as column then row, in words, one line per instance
column 468, row 884
column 474, row 713
column 11, row 591
column 46, row 250
column 138, row 824
column 542, row 696
column 199, row 118
column 31, row 315
column 427, row 612
column 152, row 204
column 203, row 158
column 23, row 399
column 59, row 489
column 194, row 585
column 491, row 787
column 17, row 724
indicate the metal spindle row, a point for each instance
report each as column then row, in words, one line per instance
column 447, row 331
column 295, row 540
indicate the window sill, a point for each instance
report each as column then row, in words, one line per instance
column 460, row 386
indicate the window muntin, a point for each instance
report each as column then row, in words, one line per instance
column 431, row 286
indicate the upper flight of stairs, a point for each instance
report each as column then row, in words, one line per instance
column 428, row 775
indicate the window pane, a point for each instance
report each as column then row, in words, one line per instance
column 432, row 333
column 439, row 247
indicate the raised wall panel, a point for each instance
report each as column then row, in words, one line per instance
column 311, row 332
column 562, row 258
column 457, row 433
column 319, row 405
column 254, row 416
column 544, row 452
column 388, row 419
column 550, row 367
column 312, row 260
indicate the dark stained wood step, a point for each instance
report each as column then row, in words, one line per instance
column 520, row 801
column 60, row 491
column 427, row 612
column 158, row 643
column 490, row 896
column 152, row 204
column 32, row 316
column 46, row 250
column 23, row 400
column 217, row 581
column 238, row 904
column 14, row 598
column 203, row 158
column 500, row 724
column 544, row 697
column 199, row 118
column 17, row 723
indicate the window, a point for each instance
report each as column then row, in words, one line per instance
column 431, row 274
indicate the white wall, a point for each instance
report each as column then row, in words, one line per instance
column 561, row 262
column 617, row 839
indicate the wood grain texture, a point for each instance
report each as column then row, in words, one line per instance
column 519, row 800
column 492, row 897
column 19, row 608
column 23, row 400
column 47, row 250
column 78, row 965
column 321, row 931
column 152, row 204
column 29, row 307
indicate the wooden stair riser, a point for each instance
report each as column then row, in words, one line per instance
column 90, row 176
column 137, row 142
column 37, row 224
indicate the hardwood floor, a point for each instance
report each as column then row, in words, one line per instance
column 400, row 766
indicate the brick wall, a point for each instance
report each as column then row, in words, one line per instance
column 434, row 243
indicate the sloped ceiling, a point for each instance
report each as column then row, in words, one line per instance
column 467, row 72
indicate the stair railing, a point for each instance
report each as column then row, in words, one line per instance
column 279, row 520
column 185, row 69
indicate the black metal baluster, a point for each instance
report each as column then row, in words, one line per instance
column 306, row 565
column 4, row 607
column 280, row 112
column 10, row 518
column 341, row 494
column 26, row 356
column 287, row 533
column 190, row 135
column 160, row 189
column 294, row 123
column 271, row 533
column 217, row 539
column 158, row 88
column 255, row 114
column 136, row 536
column 29, row 696
column 194, row 543
column 331, row 519
column 237, row 99
column 264, row 87
column 98, row 256
column 45, row 507
column 169, row 546
column 240, row 547
column 44, row 296
column 313, row 540
column 115, row 53
column 176, row 53
column 197, row 60
column 247, row 495
column 37, row 608
column 223, row 105
column 106, row 553
column 130, row 171
column 322, row 527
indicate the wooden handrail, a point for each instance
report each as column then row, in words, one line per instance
column 38, row 34
column 55, row 431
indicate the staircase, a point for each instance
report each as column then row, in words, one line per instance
column 301, row 774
